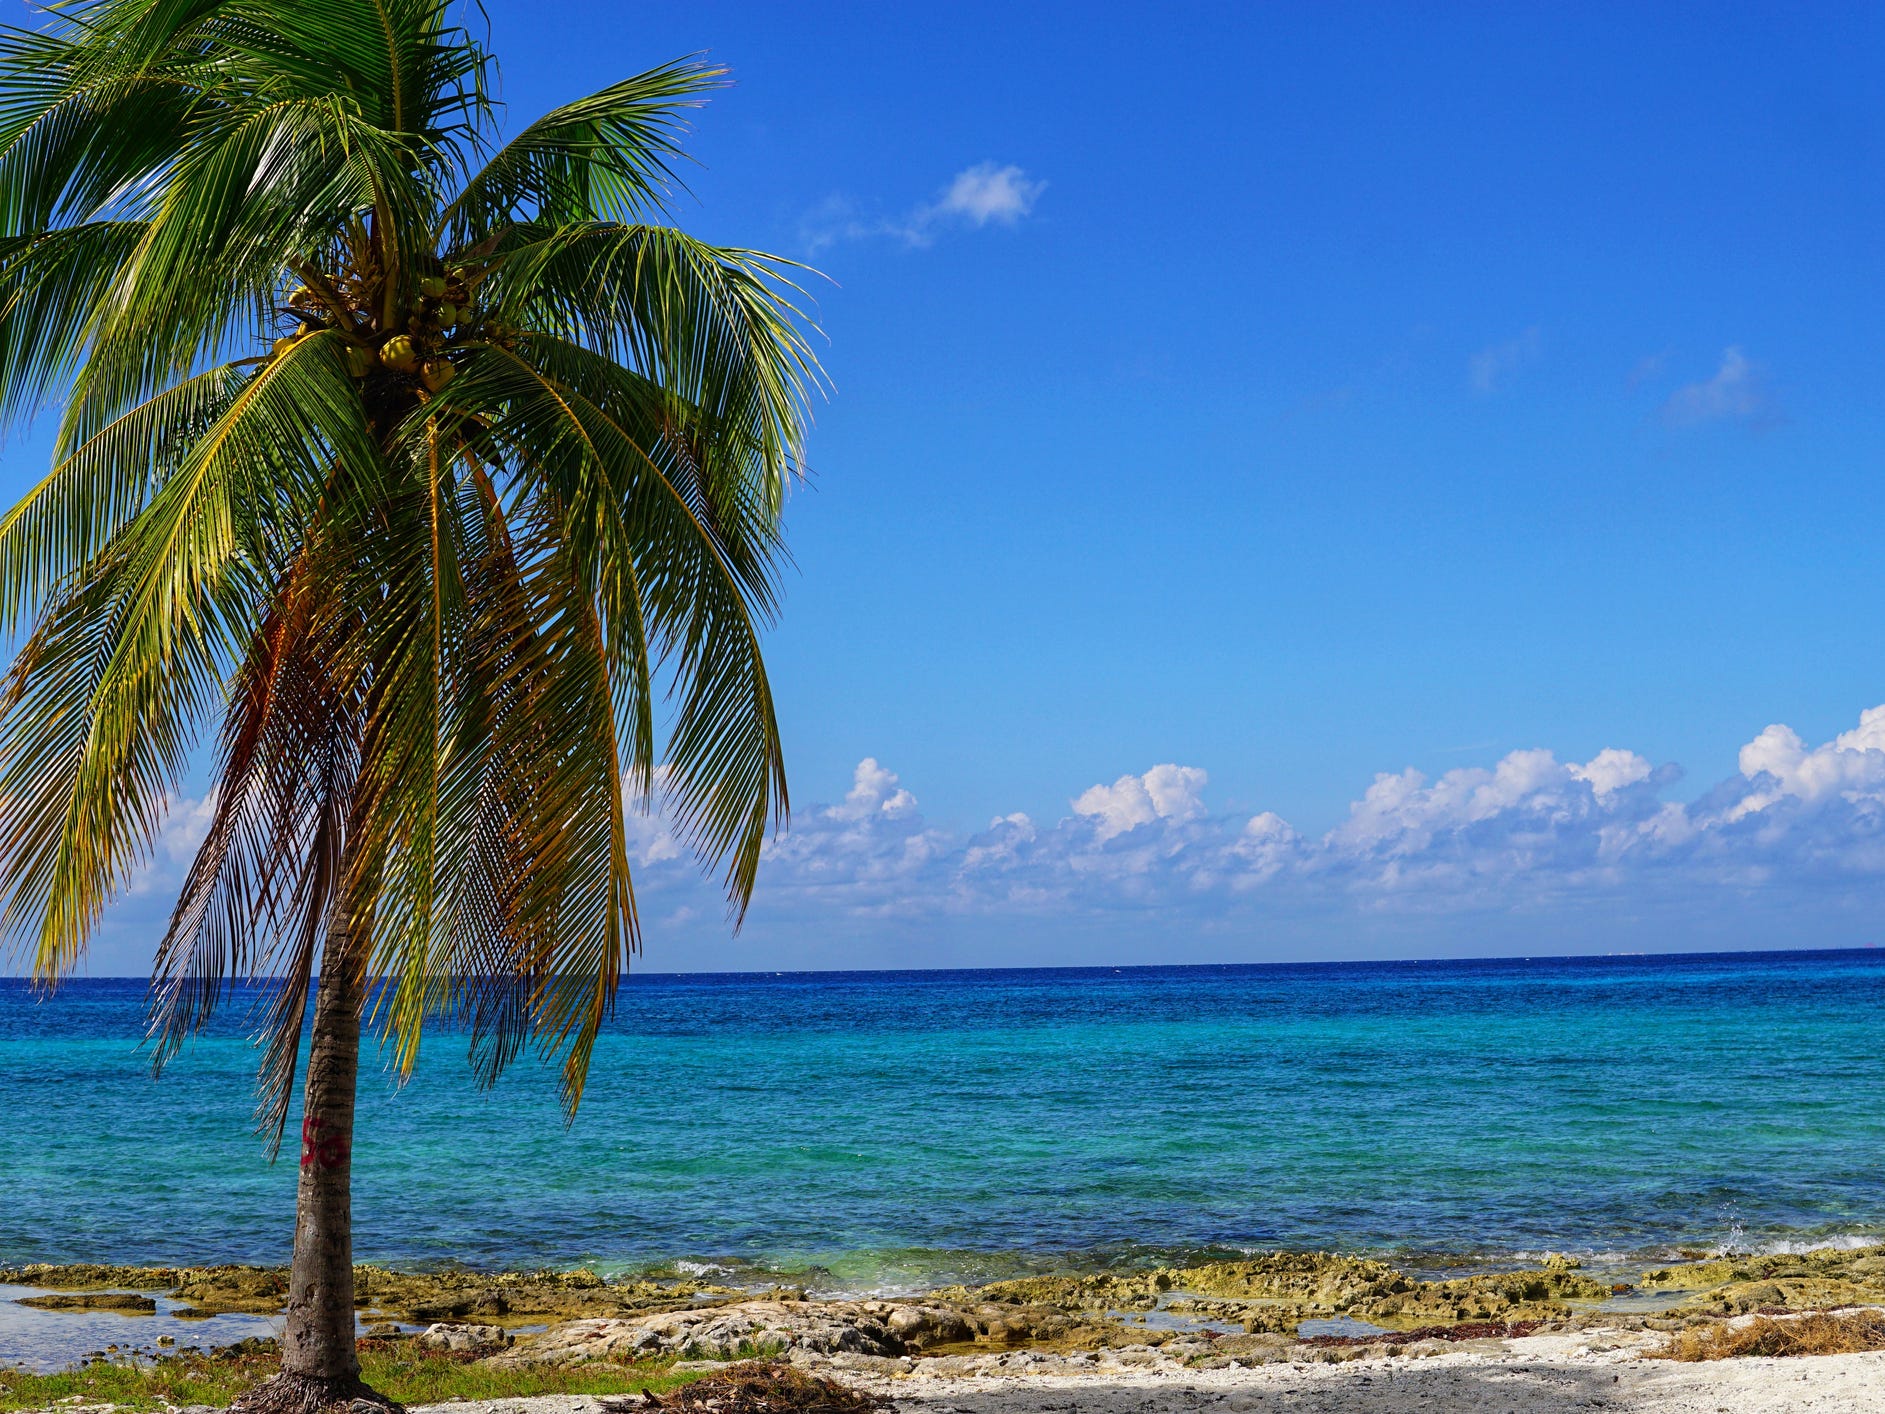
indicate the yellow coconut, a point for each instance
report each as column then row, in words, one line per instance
column 437, row 373
column 398, row 354
column 359, row 361
column 281, row 347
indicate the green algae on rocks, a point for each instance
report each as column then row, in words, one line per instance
column 1274, row 1292
column 498, row 1298
column 123, row 1301
column 1795, row 1281
column 1278, row 1291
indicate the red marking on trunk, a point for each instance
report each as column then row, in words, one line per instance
column 317, row 1152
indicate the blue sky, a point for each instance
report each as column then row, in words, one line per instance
column 1287, row 396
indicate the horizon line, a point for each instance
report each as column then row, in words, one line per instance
column 1592, row 957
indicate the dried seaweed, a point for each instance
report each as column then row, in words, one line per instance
column 1821, row 1333
column 755, row 1387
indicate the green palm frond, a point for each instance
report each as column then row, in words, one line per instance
column 609, row 156
column 94, row 489
column 412, row 466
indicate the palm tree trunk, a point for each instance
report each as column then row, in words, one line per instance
column 320, row 1369
column 318, row 1339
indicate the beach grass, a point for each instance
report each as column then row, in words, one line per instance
column 400, row 1370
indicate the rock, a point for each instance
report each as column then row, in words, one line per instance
column 866, row 1364
column 1005, row 1330
column 926, row 1327
column 256, row 1290
column 89, row 1274
column 1132, row 1356
column 883, row 1330
column 952, row 1366
column 1277, row 1291
column 252, row 1345
column 125, row 1301
column 449, row 1336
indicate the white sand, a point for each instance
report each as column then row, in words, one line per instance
column 1588, row 1371
column 1522, row 1382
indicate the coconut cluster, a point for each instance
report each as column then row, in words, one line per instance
column 440, row 304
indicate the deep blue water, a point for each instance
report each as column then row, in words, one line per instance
column 898, row 1128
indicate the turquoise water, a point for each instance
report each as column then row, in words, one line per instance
column 897, row 1129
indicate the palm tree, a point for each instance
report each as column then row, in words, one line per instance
column 414, row 461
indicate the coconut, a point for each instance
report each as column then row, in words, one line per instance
column 302, row 295
column 437, row 373
column 282, row 346
column 432, row 286
column 448, row 315
column 398, row 354
column 359, row 361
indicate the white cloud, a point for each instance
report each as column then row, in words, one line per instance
column 1491, row 368
column 186, row 825
column 1611, row 769
column 1851, row 766
column 1269, row 844
column 1162, row 793
column 874, row 791
column 986, row 194
column 1738, row 392
column 1527, row 836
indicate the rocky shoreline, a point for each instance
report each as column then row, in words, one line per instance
column 1549, row 1339
column 1202, row 1316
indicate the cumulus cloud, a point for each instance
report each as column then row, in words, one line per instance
column 874, row 791
column 1851, row 766
column 1162, row 793
column 1529, row 835
column 186, row 824
column 1738, row 392
column 1611, row 769
column 1492, row 368
column 986, row 194
column 1526, row 830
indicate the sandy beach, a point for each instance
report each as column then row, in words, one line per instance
column 1548, row 1374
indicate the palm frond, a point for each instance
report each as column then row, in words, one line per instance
column 607, row 157
column 104, row 703
column 412, row 467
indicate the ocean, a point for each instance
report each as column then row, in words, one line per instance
column 886, row 1131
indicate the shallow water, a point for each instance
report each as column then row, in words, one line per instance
column 899, row 1129
column 53, row 1340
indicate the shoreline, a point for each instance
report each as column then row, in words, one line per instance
column 1315, row 1333
column 49, row 1311
column 1595, row 1366
column 895, row 1274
